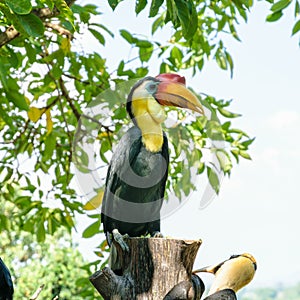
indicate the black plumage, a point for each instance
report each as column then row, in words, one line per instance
column 6, row 284
column 135, row 187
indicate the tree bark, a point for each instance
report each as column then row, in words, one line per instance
column 153, row 269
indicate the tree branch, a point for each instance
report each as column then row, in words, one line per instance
column 7, row 36
column 69, row 99
column 59, row 29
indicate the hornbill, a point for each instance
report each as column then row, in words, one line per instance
column 6, row 285
column 230, row 276
column 138, row 170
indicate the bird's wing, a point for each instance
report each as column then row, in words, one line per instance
column 114, row 173
column 6, row 284
column 138, row 177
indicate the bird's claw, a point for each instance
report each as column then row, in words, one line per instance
column 119, row 239
column 157, row 234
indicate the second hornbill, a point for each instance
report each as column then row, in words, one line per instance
column 230, row 276
column 138, row 170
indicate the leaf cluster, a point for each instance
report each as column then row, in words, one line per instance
column 277, row 11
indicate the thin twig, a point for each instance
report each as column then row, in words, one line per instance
column 86, row 82
column 59, row 29
column 37, row 292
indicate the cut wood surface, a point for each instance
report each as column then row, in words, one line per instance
column 154, row 269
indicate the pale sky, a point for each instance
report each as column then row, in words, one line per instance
column 258, row 208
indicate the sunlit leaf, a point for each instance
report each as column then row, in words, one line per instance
column 297, row 9
column 65, row 10
column 91, row 230
column 280, row 5
column 65, row 45
column 49, row 122
column 227, row 113
column 35, row 113
column 95, row 202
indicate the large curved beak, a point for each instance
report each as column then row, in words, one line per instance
column 211, row 269
column 170, row 93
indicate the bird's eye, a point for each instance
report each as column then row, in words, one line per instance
column 151, row 88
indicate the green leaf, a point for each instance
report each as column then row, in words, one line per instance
column 114, row 3
column 176, row 53
column 296, row 27
column 82, row 159
column 222, row 22
column 91, row 230
column 158, row 23
column 155, row 5
column 65, row 10
column 230, row 62
column 280, row 5
column 214, row 131
column 13, row 59
column 120, row 68
column 30, row 52
column 297, row 9
column 224, row 160
column 143, row 43
column 247, row 143
column 221, row 60
column 213, row 179
column 56, row 71
column 105, row 146
column 41, row 234
column 49, row 3
column 145, row 53
column 127, row 36
column 188, row 17
column 140, row 5
column 17, row 99
column 50, row 144
column 103, row 27
column 274, row 16
column 20, row 7
column 98, row 36
column 227, row 113
column 245, row 155
column 32, row 25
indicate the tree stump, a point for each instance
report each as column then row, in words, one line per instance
column 153, row 269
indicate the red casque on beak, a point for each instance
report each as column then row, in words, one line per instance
column 170, row 77
column 173, row 92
